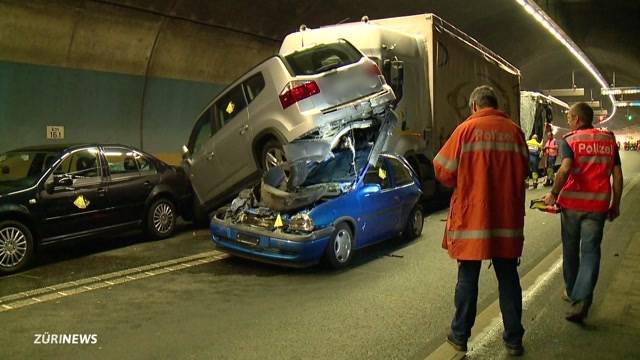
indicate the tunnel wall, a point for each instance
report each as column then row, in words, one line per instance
column 112, row 74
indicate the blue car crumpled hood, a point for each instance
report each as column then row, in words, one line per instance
column 318, row 172
column 305, row 155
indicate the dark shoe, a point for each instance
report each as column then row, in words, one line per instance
column 514, row 350
column 578, row 313
column 458, row 345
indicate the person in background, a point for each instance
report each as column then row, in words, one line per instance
column 486, row 152
column 584, row 191
column 551, row 152
column 534, row 155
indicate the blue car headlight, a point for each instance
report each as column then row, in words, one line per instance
column 301, row 222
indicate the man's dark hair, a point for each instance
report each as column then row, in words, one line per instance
column 484, row 97
column 584, row 112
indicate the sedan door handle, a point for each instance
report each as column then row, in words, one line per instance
column 102, row 191
column 211, row 155
column 244, row 129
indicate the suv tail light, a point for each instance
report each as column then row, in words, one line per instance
column 292, row 93
column 373, row 69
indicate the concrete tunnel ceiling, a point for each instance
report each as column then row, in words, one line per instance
column 604, row 30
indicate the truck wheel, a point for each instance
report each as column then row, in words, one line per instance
column 415, row 223
column 272, row 155
column 339, row 251
column 16, row 246
column 161, row 219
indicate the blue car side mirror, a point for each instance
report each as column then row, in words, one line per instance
column 371, row 188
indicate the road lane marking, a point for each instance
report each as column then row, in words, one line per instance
column 74, row 287
column 488, row 323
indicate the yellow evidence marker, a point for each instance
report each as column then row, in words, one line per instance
column 81, row 203
column 278, row 223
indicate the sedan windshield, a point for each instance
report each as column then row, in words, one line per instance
column 323, row 57
column 338, row 169
column 24, row 168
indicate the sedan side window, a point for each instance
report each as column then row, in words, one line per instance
column 145, row 164
column 401, row 174
column 378, row 175
column 229, row 105
column 121, row 162
column 82, row 167
column 254, row 86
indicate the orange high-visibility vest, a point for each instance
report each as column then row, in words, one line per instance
column 486, row 162
column 588, row 187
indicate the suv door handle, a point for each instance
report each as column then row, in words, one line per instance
column 244, row 129
column 211, row 155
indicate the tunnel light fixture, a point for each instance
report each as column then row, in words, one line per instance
column 537, row 13
column 620, row 91
column 628, row 103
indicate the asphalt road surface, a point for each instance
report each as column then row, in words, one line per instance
column 180, row 298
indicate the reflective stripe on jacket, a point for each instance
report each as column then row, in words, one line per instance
column 588, row 187
column 486, row 162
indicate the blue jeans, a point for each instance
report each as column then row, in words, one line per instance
column 466, row 299
column 581, row 238
column 533, row 164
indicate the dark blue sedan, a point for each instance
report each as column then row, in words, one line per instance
column 345, row 204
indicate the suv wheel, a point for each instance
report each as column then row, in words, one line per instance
column 16, row 246
column 161, row 219
column 272, row 155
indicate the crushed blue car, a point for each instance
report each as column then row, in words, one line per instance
column 355, row 198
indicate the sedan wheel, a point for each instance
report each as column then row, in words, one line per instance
column 161, row 219
column 413, row 229
column 16, row 246
column 340, row 249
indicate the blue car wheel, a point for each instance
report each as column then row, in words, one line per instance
column 339, row 251
column 415, row 223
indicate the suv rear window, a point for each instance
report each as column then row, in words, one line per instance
column 323, row 57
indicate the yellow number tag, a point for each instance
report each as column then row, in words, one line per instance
column 81, row 203
column 230, row 107
column 278, row 223
column 382, row 174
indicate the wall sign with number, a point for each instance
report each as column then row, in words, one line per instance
column 55, row 132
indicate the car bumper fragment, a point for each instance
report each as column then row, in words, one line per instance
column 274, row 247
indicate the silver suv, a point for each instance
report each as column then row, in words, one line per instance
column 313, row 95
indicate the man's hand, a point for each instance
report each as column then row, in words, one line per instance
column 614, row 212
column 549, row 199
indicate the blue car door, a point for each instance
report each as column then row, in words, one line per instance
column 380, row 207
column 404, row 190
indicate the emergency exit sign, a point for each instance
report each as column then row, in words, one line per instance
column 55, row 132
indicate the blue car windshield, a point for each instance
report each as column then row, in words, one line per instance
column 24, row 168
column 338, row 169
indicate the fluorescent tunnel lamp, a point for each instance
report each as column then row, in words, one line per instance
column 537, row 13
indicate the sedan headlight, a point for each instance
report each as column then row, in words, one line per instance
column 301, row 223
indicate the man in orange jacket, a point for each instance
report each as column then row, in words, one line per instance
column 485, row 161
column 590, row 159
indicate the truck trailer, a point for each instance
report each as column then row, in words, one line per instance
column 432, row 67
